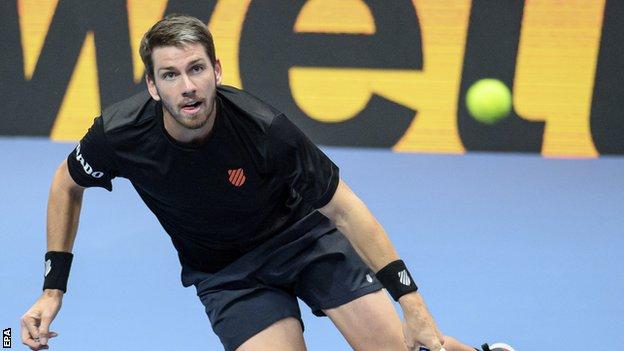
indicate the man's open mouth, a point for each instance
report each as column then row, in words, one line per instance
column 191, row 107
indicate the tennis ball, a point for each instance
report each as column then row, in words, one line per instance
column 488, row 100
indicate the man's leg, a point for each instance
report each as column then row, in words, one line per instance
column 337, row 283
column 248, row 315
column 285, row 334
column 371, row 323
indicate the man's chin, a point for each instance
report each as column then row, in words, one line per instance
column 193, row 122
column 194, row 125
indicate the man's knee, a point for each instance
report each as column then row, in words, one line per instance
column 387, row 338
column 285, row 334
column 369, row 323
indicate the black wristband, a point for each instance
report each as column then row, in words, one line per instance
column 396, row 279
column 57, row 266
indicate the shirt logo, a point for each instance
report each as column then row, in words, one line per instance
column 86, row 166
column 237, row 176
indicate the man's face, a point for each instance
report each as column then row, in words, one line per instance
column 185, row 81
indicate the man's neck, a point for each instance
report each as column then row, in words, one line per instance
column 185, row 135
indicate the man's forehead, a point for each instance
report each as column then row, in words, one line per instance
column 166, row 56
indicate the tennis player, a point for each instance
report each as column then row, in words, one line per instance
column 257, row 213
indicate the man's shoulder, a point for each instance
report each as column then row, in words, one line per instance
column 128, row 113
column 255, row 109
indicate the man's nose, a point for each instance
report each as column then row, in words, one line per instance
column 188, row 85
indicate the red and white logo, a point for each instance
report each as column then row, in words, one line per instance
column 237, row 176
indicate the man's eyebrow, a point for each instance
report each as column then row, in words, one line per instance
column 195, row 61
column 171, row 68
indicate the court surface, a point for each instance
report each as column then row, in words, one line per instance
column 505, row 247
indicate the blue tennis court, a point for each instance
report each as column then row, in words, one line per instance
column 505, row 247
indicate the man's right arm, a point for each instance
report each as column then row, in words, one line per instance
column 64, row 203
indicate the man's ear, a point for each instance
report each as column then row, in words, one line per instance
column 218, row 71
column 151, row 87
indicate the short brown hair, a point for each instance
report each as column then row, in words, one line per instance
column 175, row 30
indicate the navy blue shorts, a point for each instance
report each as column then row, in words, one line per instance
column 319, row 266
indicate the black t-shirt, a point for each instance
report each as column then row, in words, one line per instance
column 253, row 177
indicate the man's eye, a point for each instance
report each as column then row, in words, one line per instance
column 168, row 76
column 197, row 68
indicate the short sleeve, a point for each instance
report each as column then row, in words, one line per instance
column 92, row 162
column 301, row 164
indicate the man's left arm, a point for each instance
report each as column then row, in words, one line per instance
column 357, row 223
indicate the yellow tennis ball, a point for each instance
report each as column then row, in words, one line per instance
column 488, row 100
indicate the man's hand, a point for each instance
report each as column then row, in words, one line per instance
column 35, row 323
column 419, row 329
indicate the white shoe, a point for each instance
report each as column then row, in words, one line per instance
column 499, row 346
